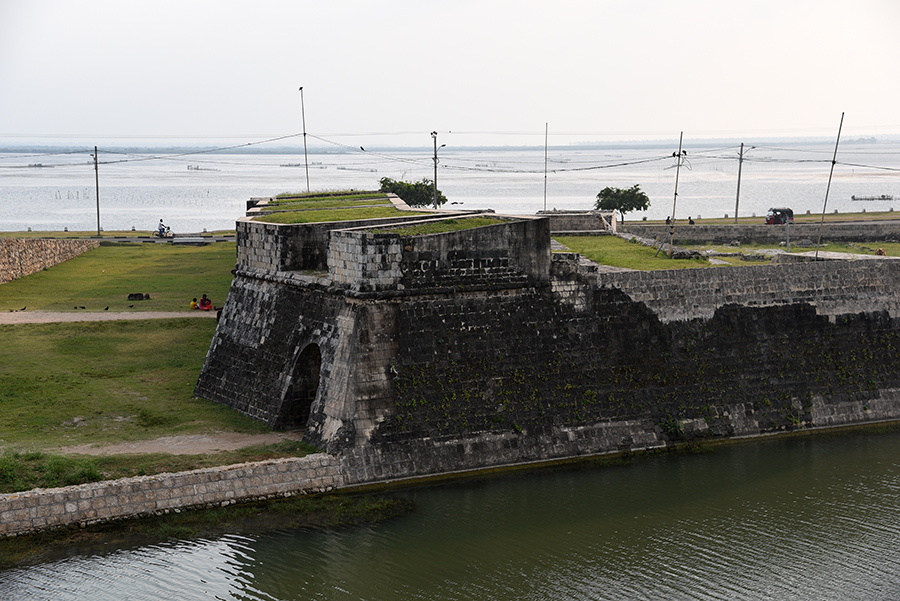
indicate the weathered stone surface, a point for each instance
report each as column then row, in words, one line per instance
column 134, row 497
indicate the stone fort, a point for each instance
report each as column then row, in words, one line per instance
column 406, row 354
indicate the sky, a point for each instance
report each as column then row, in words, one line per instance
column 479, row 72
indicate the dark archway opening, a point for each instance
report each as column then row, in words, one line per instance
column 301, row 392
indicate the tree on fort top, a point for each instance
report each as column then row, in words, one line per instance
column 418, row 194
column 622, row 200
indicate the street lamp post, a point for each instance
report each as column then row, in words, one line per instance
column 434, row 137
column 305, row 158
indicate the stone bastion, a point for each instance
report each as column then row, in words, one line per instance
column 405, row 354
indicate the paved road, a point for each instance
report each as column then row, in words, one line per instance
column 14, row 317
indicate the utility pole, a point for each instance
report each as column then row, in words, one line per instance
column 680, row 156
column 737, row 198
column 830, row 173
column 546, row 130
column 305, row 158
column 434, row 137
column 97, row 185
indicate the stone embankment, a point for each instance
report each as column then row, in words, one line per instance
column 47, row 509
column 23, row 256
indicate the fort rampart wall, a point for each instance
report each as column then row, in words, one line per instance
column 531, row 375
column 23, row 256
column 428, row 375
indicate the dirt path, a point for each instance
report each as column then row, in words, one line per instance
column 192, row 444
column 15, row 317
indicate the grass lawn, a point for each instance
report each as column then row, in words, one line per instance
column 614, row 251
column 69, row 384
column 89, row 382
column 104, row 277
column 65, row 384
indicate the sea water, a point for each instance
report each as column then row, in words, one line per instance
column 193, row 192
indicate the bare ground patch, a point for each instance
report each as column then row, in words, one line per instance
column 190, row 444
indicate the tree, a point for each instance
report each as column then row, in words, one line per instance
column 418, row 194
column 617, row 199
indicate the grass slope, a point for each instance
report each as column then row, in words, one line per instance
column 104, row 277
column 65, row 384
column 102, row 382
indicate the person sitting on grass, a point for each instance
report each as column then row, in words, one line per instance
column 205, row 303
column 194, row 304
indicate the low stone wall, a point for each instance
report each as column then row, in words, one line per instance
column 580, row 221
column 46, row 509
column 863, row 231
column 23, row 256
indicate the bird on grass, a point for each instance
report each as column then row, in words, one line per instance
column 131, row 306
column 106, row 309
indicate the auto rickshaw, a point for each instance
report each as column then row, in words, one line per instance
column 778, row 216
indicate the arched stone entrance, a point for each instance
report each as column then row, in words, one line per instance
column 301, row 392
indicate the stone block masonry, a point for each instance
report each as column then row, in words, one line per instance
column 47, row 509
column 23, row 256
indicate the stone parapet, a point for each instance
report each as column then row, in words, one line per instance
column 23, row 256
column 581, row 221
column 47, row 509
column 832, row 287
column 509, row 253
column 862, row 231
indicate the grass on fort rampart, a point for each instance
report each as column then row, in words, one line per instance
column 619, row 252
column 327, row 215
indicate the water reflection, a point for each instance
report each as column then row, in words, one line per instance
column 795, row 519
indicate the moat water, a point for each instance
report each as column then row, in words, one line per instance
column 806, row 518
